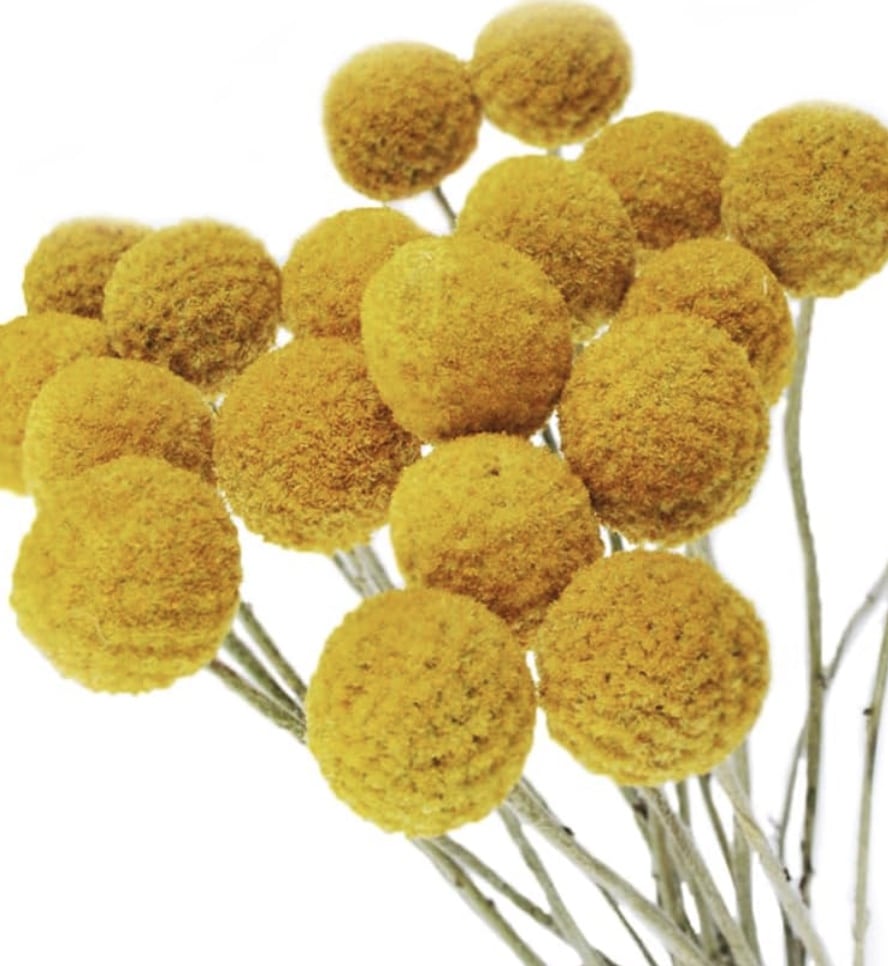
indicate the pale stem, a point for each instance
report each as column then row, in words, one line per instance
column 550, row 439
column 701, row 549
column 741, row 866
column 616, row 541
column 718, row 828
column 346, row 566
column 373, row 567
column 248, row 661
column 276, row 713
column 445, row 206
column 272, row 652
column 668, row 883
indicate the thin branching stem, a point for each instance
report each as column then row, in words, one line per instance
column 373, row 567
column 550, row 439
column 715, row 820
column 874, row 596
column 264, row 641
column 445, row 206
column 277, row 713
column 260, row 675
column 741, row 866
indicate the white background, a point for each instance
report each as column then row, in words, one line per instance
column 180, row 827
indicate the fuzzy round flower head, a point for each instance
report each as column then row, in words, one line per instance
column 569, row 220
column 97, row 409
column 652, row 667
column 306, row 451
column 200, row 298
column 130, row 579
column 421, row 711
column 70, row 266
column 551, row 73
column 329, row 267
column 33, row 348
column 465, row 335
column 664, row 419
column 667, row 169
column 807, row 191
column 725, row 282
column 399, row 118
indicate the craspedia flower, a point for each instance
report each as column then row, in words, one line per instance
column 96, row 409
column 551, row 73
column 665, row 421
column 807, row 191
column 667, row 169
column 652, row 667
column 569, row 220
column 725, row 282
column 399, row 118
column 421, row 711
column 131, row 581
column 201, row 298
column 329, row 267
column 306, row 451
column 70, row 266
column 464, row 335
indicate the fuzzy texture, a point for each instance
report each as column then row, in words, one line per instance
column 667, row 169
column 421, row 711
column 665, row 421
column 32, row 349
column 652, row 667
column 725, row 282
column 569, row 220
column 551, row 73
column 399, row 118
column 201, row 298
column 95, row 410
column 465, row 335
column 306, row 451
column 130, row 578
column 329, row 267
column 807, row 191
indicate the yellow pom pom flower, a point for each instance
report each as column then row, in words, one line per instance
column 652, row 667
column 421, row 711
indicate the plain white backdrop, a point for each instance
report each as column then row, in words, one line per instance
column 181, row 828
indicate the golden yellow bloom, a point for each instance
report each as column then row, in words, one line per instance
column 399, row 118
column 131, row 581
column 33, row 348
column 725, row 282
column 664, row 419
column 306, row 451
column 201, row 298
column 464, row 335
column 329, row 267
column 421, row 711
column 95, row 410
column 551, row 73
column 652, row 667
column 569, row 220
column 807, row 191
column 667, row 169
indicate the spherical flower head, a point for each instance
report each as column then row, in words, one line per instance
column 465, row 335
column 97, row 409
column 33, row 348
column 129, row 577
column 652, row 667
column 421, row 711
column 70, row 266
column 329, row 267
column 306, row 451
column 807, row 191
column 667, row 169
column 200, row 298
column 725, row 282
column 569, row 220
column 551, row 73
column 399, row 118
column 664, row 419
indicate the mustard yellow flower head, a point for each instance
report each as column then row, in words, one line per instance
column 329, row 266
column 569, row 220
column 652, row 667
column 131, row 580
column 725, row 282
column 464, row 335
column 667, row 169
column 807, row 191
column 399, row 118
column 664, row 419
column 200, row 298
column 421, row 711
column 551, row 73
column 306, row 451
